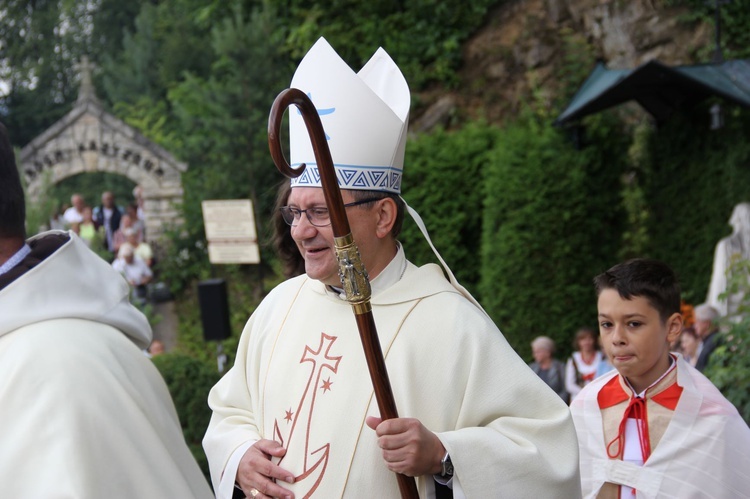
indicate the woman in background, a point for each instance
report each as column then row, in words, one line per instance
column 583, row 364
column 691, row 345
column 549, row 369
column 88, row 231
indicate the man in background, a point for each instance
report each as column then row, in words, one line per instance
column 74, row 214
column 135, row 271
column 707, row 328
column 108, row 215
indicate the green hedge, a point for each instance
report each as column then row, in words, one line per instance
column 442, row 181
column 694, row 178
column 552, row 220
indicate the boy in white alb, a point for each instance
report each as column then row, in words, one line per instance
column 655, row 427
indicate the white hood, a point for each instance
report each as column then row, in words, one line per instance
column 73, row 282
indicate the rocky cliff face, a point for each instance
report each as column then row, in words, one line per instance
column 547, row 47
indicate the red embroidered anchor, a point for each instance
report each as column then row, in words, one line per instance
column 313, row 472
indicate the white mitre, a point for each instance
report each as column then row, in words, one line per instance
column 365, row 117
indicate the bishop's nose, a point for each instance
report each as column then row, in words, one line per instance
column 303, row 229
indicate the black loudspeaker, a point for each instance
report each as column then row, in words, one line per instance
column 212, row 296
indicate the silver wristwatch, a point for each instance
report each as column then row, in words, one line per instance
column 446, row 466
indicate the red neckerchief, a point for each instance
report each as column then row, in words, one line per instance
column 613, row 393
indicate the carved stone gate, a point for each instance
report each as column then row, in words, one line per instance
column 88, row 139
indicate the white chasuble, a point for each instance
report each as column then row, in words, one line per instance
column 326, row 393
column 300, row 378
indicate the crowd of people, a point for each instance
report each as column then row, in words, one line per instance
column 99, row 225
column 116, row 234
column 695, row 342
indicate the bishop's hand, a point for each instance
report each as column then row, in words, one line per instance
column 257, row 474
column 408, row 447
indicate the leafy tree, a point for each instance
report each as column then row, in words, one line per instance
column 729, row 365
column 167, row 40
column 735, row 19
column 37, row 65
column 222, row 120
column 423, row 36
column 110, row 20
column 131, row 74
column 635, row 238
column 40, row 44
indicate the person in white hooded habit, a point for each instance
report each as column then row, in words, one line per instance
column 83, row 413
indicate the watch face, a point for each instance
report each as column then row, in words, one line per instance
column 447, row 466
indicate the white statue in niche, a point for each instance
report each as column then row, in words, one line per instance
column 736, row 245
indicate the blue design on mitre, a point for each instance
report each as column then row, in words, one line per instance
column 367, row 131
column 345, row 175
column 353, row 177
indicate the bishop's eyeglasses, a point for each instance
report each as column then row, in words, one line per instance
column 316, row 215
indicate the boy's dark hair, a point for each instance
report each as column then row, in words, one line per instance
column 651, row 279
column 12, row 202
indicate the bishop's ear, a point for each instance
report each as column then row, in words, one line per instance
column 387, row 211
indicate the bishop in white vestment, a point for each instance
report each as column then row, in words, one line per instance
column 300, row 379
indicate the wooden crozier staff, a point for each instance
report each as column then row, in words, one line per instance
column 351, row 270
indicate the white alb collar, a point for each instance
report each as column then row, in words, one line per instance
column 391, row 274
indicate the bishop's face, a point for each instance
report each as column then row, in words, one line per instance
column 316, row 243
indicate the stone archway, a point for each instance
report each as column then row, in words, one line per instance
column 88, row 139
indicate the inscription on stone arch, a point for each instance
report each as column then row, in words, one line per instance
column 88, row 139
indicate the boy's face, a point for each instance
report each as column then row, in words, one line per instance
column 634, row 337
